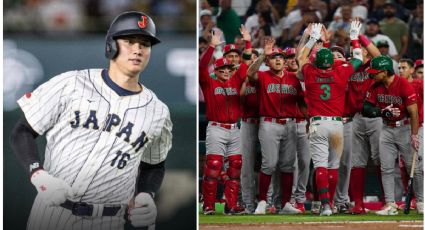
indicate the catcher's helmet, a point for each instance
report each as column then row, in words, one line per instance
column 324, row 58
column 129, row 23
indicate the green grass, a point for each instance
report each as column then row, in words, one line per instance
column 219, row 218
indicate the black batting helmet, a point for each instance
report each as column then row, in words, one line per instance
column 129, row 23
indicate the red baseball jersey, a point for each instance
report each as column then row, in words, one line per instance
column 418, row 86
column 221, row 98
column 278, row 95
column 251, row 103
column 358, row 84
column 326, row 89
column 400, row 93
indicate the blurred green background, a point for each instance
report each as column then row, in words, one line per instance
column 41, row 48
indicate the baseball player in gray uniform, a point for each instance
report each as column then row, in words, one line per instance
column 107, row 138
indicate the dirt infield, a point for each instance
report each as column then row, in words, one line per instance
column 377, row 225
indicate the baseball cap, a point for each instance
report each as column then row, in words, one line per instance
column 380, row 63
column 222, row 62
column 289, row 52
column 382, row 43
column 229, row 48
column 338, row 49
column 276, row 51
column 419, row 63
column 205, row 12
column 373, row 21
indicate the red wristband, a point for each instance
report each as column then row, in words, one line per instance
column 327, row 44
column 248, row 45
column 355, row 44
column 363, row 40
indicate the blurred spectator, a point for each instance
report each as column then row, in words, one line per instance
column 416, row 24
column 207, row 24
column 228, row 21
column 394, row 28
column 419, row 69
column 304, row 7
column 203, row 45
column 262, row 7
column 373, row 33
column 341, row 39
column 342, row 22
column 384, row 49
column 321, row 6
column 299, row 27
column 241, row 6
column 264, row 30
column 378, row 8
column 358, row 10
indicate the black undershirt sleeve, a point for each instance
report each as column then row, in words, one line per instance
column 150, row 178
column 24, row 145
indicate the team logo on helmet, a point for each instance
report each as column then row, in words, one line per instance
column 143, row 22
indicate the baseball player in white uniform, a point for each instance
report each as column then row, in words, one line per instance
column 107, row 138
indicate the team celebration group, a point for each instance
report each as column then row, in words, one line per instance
column 313, row 102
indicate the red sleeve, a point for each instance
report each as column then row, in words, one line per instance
column 408, row 94
column 203, row 65
column 307, row 68
column 242, row 72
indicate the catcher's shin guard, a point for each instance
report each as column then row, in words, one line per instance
column 232, row 185
column 322, row 184
column 212, row 170
column 286, row 181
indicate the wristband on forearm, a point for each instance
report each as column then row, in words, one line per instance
column 310, row 43
column 355, row 44
column 327, row 44
column 248, row 45
column 363, row 40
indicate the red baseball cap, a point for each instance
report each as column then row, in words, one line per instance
column 221, row 62
column 419, row 63
column 229, row 48
column 289, row 52
column 275, row 51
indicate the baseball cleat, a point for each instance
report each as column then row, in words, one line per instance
column 289, row 209
column 420, row 207
column 237, row 210
column 326, row 210
column 208, row 211
column 272, row 209
column 358, row 209
column 261, row 208
column 300, row 206
column 390, row 209
column 315, row 207
column 343, row 208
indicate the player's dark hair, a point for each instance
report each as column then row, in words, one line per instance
column 408, row 61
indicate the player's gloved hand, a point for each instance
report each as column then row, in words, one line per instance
column 316, row 31
column 144, row 211
column 414, row 140
column 389, row 111
column 53, row 191
column 356, row 25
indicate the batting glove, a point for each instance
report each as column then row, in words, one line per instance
column 53, row 191
column 356, row 25
column 390, row 111
column 144, row 211
column 414, row 140
column 316, row 31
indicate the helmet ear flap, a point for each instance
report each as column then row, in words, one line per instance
column 111, row 49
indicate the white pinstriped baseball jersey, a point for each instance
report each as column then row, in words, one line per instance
column 96, row 138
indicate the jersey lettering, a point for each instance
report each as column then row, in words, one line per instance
column 229, row 91
column 284, row 88
column 127, row 131
column 76, row 122
column 359, row 77
column 324, row 79
column 250, row 90
column 91, row 119
column 389, row 99
column 111, row 120
column 141, row 141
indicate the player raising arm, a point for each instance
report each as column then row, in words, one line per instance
column 325, row 89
